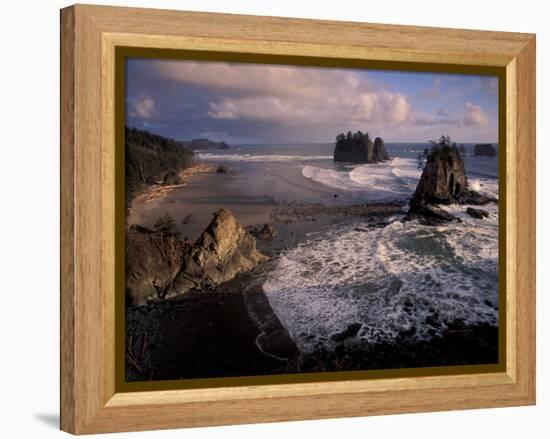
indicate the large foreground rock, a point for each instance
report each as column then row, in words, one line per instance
column 223, row 250
column 159, row 265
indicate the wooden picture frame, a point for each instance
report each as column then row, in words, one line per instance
column 91, row 401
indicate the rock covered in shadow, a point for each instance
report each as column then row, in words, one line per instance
column 153, row 260
column 266, row 233
column 172, row 178
column 431, row 215
column 379, row 150
column 159, row 265
column 350, row 331
column 477, row 213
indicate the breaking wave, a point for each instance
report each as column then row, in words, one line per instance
column 402, row 278
column 396, row 178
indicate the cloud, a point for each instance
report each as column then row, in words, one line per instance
column 270, row 103
column 474, row 115
column 489, row 84
column 434, row 90
column 143, row 108
column 240, row 79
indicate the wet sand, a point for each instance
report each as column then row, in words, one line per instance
column 193, row 204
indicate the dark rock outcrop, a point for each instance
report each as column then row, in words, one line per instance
column 485, row 149
column 153, row 260
column 358, row 148
column 350, row 331
column 266, row 233
column 443, row 181
column 477, row 213
column 159, row 265
column 379, row 150
column 222, row 169
column 172, row 178
column 206, row 144
column 149, row 158
column 430, row 215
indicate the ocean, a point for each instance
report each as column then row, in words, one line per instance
column 403, row 278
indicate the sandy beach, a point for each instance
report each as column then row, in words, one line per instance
column 193, row 203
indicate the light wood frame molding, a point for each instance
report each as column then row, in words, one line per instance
column 89, row 36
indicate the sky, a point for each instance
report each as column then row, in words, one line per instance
column 261, row 103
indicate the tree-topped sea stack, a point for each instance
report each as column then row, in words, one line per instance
column 443, row 181
column 358, row 148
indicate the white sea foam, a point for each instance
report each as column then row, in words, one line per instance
column 394, row 179
column 390, row 280
column 244, row 157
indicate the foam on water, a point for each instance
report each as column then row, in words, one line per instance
column 245, row 157
column 404, row 277
column 394, row 179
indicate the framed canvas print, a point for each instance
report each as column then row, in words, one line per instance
column 268, row 219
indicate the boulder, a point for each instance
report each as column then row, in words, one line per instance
column 477, row 213
column 350, row 331
column 222, row 170
column 485, row 149
column 172, row 178
column 358, row 148
column 430, row 215
column 475, row 198
column 224, row 250
column 266, row 233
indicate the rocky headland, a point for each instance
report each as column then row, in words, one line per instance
column 152, row 159
column 359, row 148
column 204, row 144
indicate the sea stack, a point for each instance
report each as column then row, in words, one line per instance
column 359, row 148
column 485, row 149
column 443, row 181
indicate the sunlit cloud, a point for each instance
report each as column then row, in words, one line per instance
column 474, row 115
column 143, row 108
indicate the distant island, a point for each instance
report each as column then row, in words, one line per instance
column 359, row 148
column 485, row 149
column 205, row 144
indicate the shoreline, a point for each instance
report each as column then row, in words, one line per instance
column 233, row 330
column 156, row 191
